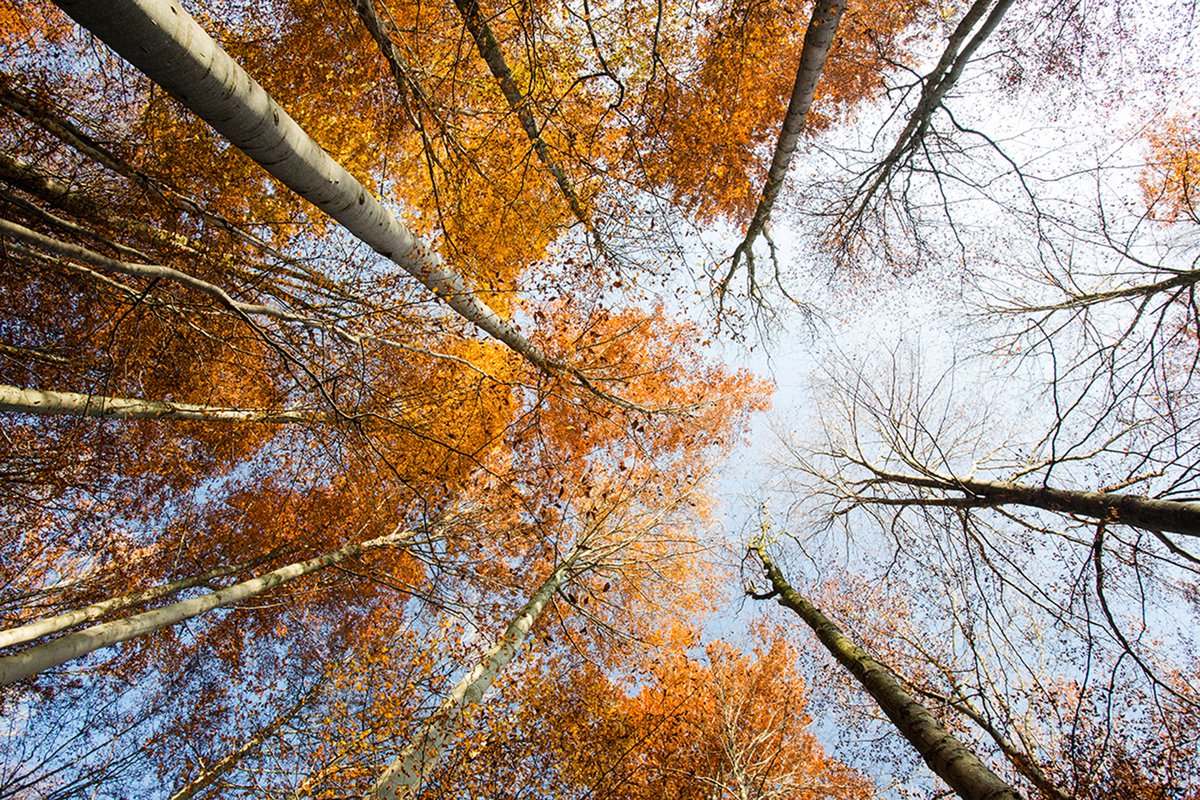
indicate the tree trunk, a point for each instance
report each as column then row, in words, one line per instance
column 934, row 88
column 74, row 404
column 69, row 619
column 407, row 773
column 163, row 41
column 44, row 656
column 489, row 50
column 827, row 14
column 961, row 769
column 1162, row 516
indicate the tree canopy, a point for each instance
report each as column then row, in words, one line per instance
column 375, row 376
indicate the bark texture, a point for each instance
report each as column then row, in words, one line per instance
column 78, row 616
column 75, row 404
column 1162, row 516
column 827, row 14
column 952, row 761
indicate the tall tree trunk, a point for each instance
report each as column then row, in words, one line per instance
column 935, row 86
column 493, row 56
column 69, row 619
column 1161, row 516
column 35, row 659
column 407, row 773
column 949, row 758
column 826, row 16
column 163, row 41
column 74, row 404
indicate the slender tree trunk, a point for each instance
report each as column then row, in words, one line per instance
column 949, row 758
column 1162, row 516
column 489, row 50
column 69, row 619
column 936, row 85
column 39, row 183
column 406, row 774
column 163, row 41
column 406, row 82
column 58, row 651
column 74, row 404
column 211, row 772
column 827, row 14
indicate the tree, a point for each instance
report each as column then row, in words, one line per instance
column 976, row 25
column 817, row 41
column 408, row 771
column 44, row 656
column 946, row 756
column 1003, row 579
column 173, row 50
column 206, row 386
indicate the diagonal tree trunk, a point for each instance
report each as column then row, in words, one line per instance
column 163, row 41
column 935, row 86
column 949, row 758
column 1160, row 516
column 408, row 771
column 827, row 14
column 489, row 50
column 69, row 619
column 41, row 657
column 74, row 404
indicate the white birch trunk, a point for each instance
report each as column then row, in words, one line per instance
column 41, row 657
column 163, row 41
column 407, row 773
column 74, row 404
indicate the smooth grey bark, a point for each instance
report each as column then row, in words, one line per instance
column 74, row 404
column 408, row 771
column 69, row 619
column 826, row 16
column 949, row 758
column 164, row 42
column 41, row 657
